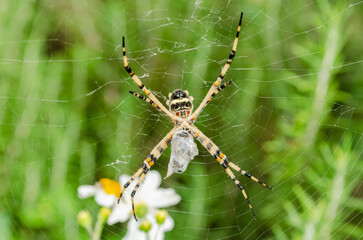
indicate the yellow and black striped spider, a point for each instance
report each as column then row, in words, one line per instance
column 180, row 113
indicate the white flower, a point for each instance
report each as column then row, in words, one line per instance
column 149, row 195
column 156, row 232
column 98, row 190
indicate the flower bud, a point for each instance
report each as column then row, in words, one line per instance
column 141, row 209
column 84, row 219
column 145, row 226
column 104, row 213
column 160, row 216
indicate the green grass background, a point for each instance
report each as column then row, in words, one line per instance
column 293, row 116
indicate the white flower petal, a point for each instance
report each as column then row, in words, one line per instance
column 152, row 181
column 86, row 191
column 104, row 199
column 159, row 234
column 120, row 213
column 133, row 231
column 124, row 179
column 168, row 224
column 163, row 197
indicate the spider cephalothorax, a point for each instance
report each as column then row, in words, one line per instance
column 184, row 132
column 180, row 103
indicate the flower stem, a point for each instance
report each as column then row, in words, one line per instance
column 90, row 232
column 157, row 232
column 98, row 229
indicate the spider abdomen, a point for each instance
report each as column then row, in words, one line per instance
column 183, row 150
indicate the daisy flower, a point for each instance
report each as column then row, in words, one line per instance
column 148, row 199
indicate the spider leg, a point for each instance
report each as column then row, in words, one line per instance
column 142, row 86
column 134, row 192
column 148, row 162
column 214, row 89
column 136, row 175
column 220, row 88
column 145, row 99
column 243, row 172
column 222, row 159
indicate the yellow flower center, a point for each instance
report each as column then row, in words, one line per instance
column 160, row 216
column 145, row 225
column 111, row 186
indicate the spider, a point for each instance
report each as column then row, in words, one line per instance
column 181, row 114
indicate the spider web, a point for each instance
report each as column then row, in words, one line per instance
column 291, row 117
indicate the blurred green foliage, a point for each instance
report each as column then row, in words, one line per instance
column 293, row 116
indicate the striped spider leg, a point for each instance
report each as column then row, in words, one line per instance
column 215, row 87
column 150, row 95
column 223, row 160
column 142, row 97
column 148, row 163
